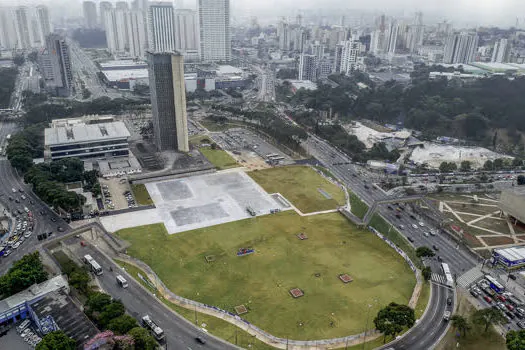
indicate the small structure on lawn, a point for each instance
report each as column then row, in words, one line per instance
column 245, row 251
column 302, row 236
column 296, row 293
column 209, row 258
column 345, row 278
column 241, row 309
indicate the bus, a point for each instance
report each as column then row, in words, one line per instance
column 2, row 251
column 448, row 276
column 273, row 155
column 122, row 281
column 494, row 284
column 95, row 267
column 88, row 259
column 148, row 323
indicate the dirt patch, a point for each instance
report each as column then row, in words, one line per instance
column 472, row 241
column 497, row 240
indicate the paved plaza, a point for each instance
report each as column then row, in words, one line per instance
column 199, row 201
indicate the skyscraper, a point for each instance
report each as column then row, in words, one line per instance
column 55, row 65
column 90, row 14
column 161, row 30
column 168, row 100
column 351, row 56
column 186, row 34
column 501, row 51
column 308, row 67
column 8, row 37
column 461, row 48
column 23, row 28
column 43, row 23
column 285, row 36
column 391, row 38
column 136, row 33
column 215, row 36
column 104, row 7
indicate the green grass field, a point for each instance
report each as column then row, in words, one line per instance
column 359, row 208
column 141, row 194
column 300, row 184
column 219, row 158
column 262, row 281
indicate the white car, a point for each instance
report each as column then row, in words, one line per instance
column 426, row 234
column 28, row 234
column 14, row 191
column 16, row 245
column 421, row 223
column 433, row 232
column 414, row 225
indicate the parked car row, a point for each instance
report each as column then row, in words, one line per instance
column 510, row 306
column 130, row 199
column 22, row 230
column 29, row 336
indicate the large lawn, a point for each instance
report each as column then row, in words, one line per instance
column 262, row 281
column 219, row 158
column 301, row 185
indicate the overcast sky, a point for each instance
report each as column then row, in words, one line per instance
column 473, row 12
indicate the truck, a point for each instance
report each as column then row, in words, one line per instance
column 446, row 316
column 148, row 323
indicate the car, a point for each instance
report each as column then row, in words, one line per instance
column 487, row 299
column 510, row 315
column 21, row 190
column 367, row 187
column 28, row 234
column 9, row 251
column 412, row 216
column 42, row 213
column 410, row 239
column 432, row 232
column 474, row 293
column 60, row 229
column 421, row 223
column 17, row 200
column 510, row 307
column 23, row 197
column 521, row 324
column 398, row 216
column 402, row 227
column 501, row 298
column 414, row 225
column 200, row 340
column 14, row 191
column 512, row 277
column 10, row 198
column 501, row 306
column 439, row 258
column 435, row 247
column 426, row 234
column 449, row 301
column 446, row 315
column 54, row 219
column 16, row 245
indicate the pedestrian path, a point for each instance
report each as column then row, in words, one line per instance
column 469, row 277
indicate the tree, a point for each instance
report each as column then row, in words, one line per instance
column 465, row 166
column 487, row 317
column 460, row 323
column 113, row 310
column 19, row 60
column 489, row 165
column 98, row 301
column 391, row 319
column 143, row 340
column 79, row 279
column 424, row 252
column 521, row 180
column 122, row 324
column 23, row 274
column 515, row 340
column 427, row 273
column 56, row 340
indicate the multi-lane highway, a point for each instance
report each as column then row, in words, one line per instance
column 180, row 334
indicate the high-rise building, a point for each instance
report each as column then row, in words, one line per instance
column 24, row 33
column 8, row 36
column 55, row 65
column 324, row 68
column 168, row 100
column 415, row 33
column 43, row 23
column 391, row 37
column 285, row 36
column 351, row 59
column 338, row 57
column 461, row 48
column 121, row 28
column 308, row 67
column 110, row 27
column 501, row 51
column 136, row 33
column 104, row 7
column 215, row 35
column 318, row 50
column 299, row 37
column 161, row 27
column 90, row 14
column 186, row 34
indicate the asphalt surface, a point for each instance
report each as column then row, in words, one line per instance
column 180, row 334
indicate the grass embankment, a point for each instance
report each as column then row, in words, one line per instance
column 301, row 185
column 213, row 325
column 395, row 237
column 262, row 281
column 359, row 208
column 141, row 194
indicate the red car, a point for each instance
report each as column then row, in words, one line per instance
column 510, row 307
column 487, row 299
column 501, row 298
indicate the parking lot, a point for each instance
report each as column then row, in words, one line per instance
column 116, row 194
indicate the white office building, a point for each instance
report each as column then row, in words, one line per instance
column 308, row 67
column 24, row 33
column 136, row 29
column 161, row 27
column 352, row 59
column 214, row 25
column 104, row 7
column 43, row 22
column 8, row 37
column 90, row 14
column 187, row 34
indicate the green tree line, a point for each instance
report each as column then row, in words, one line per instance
column 22, row 275
column 7, row 85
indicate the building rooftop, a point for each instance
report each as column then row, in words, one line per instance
column 512, row 254
column 307, row 84
column 124, row 74
column 83, row 133
column 228, row 70
column 121, row 63
column 496, row 67
column 35, row 291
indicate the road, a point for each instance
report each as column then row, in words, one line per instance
column 429, row 328
column 180, row 334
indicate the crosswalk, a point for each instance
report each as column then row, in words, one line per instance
column 438, row 278
column 469, row 277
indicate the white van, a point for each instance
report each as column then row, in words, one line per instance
column 122, row 281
